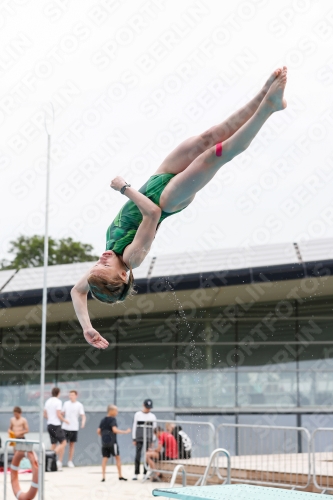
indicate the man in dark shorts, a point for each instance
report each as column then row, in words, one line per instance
column 167, row 449
column 108, row 431
column 72, row 410
column 52, row 412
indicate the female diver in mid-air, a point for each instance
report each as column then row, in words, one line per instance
column 172, row 188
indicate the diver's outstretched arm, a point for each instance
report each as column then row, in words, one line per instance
column 79, row 297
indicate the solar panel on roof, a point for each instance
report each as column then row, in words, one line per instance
column 224, row 260
column 6, row 276
column 316, row 250
column 57, row 276
column 177, row 264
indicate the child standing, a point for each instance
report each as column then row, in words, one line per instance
column 18, row 425
column 108, row 431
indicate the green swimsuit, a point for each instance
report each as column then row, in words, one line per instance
column 123, row 229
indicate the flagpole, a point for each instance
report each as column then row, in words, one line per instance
column 48, row 129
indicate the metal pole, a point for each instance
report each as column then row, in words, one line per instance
column 48, row 128
column 23, row 445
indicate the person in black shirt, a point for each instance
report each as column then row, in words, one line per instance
column 108, row 431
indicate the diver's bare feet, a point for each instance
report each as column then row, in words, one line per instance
column 274, row 98
column 271, row 79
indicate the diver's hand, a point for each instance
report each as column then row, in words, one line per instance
column 117, row 183
column 95, row 339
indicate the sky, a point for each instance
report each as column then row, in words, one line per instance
column 130, row 80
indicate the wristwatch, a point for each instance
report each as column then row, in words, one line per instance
column 123, row 189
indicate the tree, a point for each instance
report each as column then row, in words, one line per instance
column 28, row 251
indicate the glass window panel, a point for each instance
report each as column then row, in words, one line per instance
column 256, row 441
column 149, row 331
column 275, row 420
column 212, row 389
column 228, row 313
column 312, row 422
column 316, row 389
column 27, row 335
column 268, row 357
column 94, row 389
column 316, row 357
column 87, row 358
column 191, row 331
column 158, row 357
column 267, row 389
column 224, row 356
column 222, row 330
column 132, row 390
column 20, row 348
column 267, row 330
column 283, row 309
column 23, row 390
column 315, row 307
column 140, row 328
column 201, row 357
column 209, row 325
column 315, row 330
column 25, row 358
column 191, row 356
column 215, row 329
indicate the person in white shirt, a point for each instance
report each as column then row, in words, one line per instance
column 53, row 414
column 142, row 418
column 72, row 411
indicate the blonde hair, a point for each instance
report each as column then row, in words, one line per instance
column 169, row 426
column 111, row 290
column 111, row 408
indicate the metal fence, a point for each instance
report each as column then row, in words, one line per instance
column 322, row 458
column 267, row 455
column 200, row 435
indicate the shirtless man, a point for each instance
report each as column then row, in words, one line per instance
column 18, row 424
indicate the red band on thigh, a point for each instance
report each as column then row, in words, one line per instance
column 218, row 149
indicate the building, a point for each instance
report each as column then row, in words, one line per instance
column 240, row 335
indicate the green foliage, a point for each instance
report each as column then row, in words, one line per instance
column 28, row 251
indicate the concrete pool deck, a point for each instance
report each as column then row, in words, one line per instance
column 84, row 483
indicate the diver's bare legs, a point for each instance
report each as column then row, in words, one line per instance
column 182, row 188
column 183, row 155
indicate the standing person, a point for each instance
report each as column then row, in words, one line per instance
column 172, row 188
column 108, row 431
column 18, row 425
column 142, row 417
column 52, row 412
column 167, row 449
column 72, row 411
